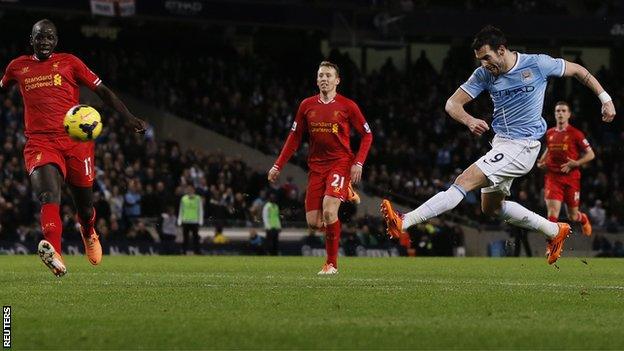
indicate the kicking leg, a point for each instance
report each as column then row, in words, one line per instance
column 472, row 178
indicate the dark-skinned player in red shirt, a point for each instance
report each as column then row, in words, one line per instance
column 327, row 118
column 49, row 83
column 567, row 150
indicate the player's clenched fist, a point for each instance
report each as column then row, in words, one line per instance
column 139, row 125
column 608, row 111
column 273, row 174
column 477, row 126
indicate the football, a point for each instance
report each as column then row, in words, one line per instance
column 83, row 122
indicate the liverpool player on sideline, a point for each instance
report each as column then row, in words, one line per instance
column 516, row 83
column 49, row 84
column 562, row 182
column 327, row 118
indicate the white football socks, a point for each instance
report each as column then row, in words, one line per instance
column 516, row 214
column 438, row 204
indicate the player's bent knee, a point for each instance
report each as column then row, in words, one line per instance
column 315, row 225
column 46, row 197
column 329, row 216
column 491, row 209
column 465, row 181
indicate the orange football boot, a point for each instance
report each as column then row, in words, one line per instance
column 555, row 245
column 393, row 219
column 587, row 227
column 93, row 249
column 353, row 197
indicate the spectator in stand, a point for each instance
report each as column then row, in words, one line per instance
column 257, row 205
column 219, row 238
column 255, row 246
column 132, row 202
column 142, row 233
column 168, row 231
column 598, row 214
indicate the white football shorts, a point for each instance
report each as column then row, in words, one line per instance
column 508, row 159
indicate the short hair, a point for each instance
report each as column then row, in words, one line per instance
column 489, row 35
column 563, row 103
column 330, row 65
column 45, row 22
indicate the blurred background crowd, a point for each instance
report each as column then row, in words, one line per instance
column 251, row 92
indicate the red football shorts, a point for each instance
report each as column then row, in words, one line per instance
column 562, row 187
column 332, row 179
column 75, row 159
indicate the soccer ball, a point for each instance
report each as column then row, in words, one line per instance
column 83, row 122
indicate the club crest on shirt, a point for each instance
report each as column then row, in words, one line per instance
column 55, row 66
column 527, row 75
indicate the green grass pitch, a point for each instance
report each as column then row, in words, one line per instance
column 280, row 303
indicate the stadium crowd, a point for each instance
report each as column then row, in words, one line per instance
column 418, row 149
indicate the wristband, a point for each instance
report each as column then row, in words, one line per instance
column 604, row 97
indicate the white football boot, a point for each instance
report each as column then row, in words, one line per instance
column 51, row 258
column 328, row 269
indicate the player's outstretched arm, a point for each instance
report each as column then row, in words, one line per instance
column 113, row 101
column 455, row 108
column 586, row 78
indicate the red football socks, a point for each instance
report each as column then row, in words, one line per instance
column 87, row 225
column 51, row 225
column 332, row 242
column 553, row 219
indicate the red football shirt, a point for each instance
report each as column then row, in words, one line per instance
column 563, row 144
column 329, row 127
column 49, row 88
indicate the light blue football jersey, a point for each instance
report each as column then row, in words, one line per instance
column 518, row 95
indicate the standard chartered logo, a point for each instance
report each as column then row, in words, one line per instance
column 47, row 80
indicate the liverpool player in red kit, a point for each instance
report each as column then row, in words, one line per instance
column 49, row 84
column 327, row 118
column 562, row 183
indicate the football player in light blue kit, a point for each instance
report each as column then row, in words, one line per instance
column 516, row 83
